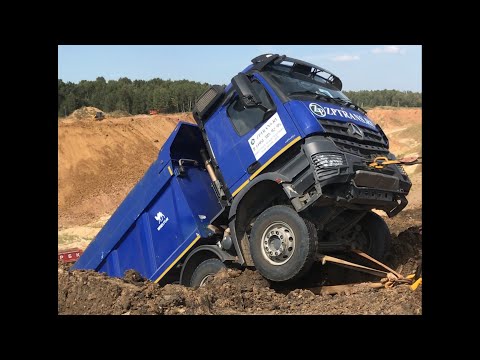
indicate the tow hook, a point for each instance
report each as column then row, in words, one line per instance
column 381, row 161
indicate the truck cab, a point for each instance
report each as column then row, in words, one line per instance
column 281, row 168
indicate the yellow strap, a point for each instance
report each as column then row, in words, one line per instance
column 415, row 285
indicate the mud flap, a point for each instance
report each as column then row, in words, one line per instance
column 399, row 207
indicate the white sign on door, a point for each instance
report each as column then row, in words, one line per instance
column 267, row 136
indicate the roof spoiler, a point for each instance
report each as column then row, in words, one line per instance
column 299, row 66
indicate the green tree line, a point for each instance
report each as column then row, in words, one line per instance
column 135, row 97
column 167, row 96
column 371, row 98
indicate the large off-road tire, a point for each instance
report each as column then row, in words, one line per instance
column 205, row 271
column 283, row 244
column 376, row 239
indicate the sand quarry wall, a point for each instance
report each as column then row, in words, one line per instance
column 100, row 161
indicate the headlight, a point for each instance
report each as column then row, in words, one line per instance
column 325, row 160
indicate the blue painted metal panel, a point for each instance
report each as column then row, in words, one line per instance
column 155, row 179
column 303, row 117
column 160, row 217
column 223, row 140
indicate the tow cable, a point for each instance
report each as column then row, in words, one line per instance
column 381, row 161
column 389, row 277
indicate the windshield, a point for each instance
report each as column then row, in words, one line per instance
column 298, row 85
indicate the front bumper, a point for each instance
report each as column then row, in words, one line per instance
column 350, row 182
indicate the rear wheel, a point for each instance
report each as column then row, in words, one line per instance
column 282, row 244
column 205, row 272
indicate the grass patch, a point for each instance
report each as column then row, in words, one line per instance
column 67, row 238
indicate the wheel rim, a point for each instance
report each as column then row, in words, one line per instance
column 363, row 243
column 206, row 279
column 278, row 243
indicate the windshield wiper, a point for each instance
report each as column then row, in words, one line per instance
column 308, row 92
column 338, row 100
column 349, row 103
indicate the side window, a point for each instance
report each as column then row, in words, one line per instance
column 245, row 119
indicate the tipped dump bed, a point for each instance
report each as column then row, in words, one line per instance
column 162, row 217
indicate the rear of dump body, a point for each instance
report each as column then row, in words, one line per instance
column 162, row 217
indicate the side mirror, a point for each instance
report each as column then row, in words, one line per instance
column 246, row 93
column 269, row 112
column 337, row 83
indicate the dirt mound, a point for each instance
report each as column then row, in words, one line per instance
column 118, row 114
column 236, row 292
column 406, row 252
column 100, row 161
column 84, row 113
column 404, row 220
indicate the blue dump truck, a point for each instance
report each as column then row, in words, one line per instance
column 280, row 167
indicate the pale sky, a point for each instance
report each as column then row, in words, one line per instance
column 361, row 67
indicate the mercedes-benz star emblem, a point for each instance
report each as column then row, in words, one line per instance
column 354, row 130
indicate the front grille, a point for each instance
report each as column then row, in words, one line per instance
column 359, row 149
column 371, row 146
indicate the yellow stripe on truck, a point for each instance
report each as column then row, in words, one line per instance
column 285, row 148
column 240, row 188
column 178, row 258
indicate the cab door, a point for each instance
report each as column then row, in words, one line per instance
column 222, row 138
column 243, row 138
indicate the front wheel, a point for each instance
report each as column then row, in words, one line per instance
column 282, row 244
column 375, row 238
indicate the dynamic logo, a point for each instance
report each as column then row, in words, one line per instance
column 322, row 111
column 162, row 220
column 317, row 110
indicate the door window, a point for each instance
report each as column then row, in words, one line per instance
column 245, row 119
